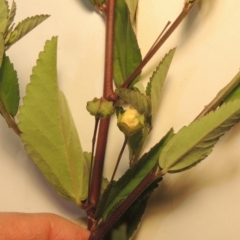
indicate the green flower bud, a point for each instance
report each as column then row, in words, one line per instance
column 100, row 108
column 130, row 122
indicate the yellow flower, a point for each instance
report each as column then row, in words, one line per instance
column 130, row 118
column 130, row 122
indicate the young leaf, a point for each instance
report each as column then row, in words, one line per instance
column 48, row 131
column 155, row 86
column 130, row 180
column 3, row 15
column 9, row 89
column 127, row 55
column 12, row 14
column 195, row 142
column 136, row 99
column 24, row 27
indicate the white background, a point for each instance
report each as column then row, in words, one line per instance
column 202, row 203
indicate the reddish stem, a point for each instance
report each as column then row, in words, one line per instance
column 156, row 47
column 108, row 94
column 99, row 160
column 151, row 177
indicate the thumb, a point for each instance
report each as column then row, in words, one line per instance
column 21, row 226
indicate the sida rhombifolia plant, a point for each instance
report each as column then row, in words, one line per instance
column 114, row 206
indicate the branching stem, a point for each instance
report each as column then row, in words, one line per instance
column 151, row 177
column 155, row 48
column 109, row 95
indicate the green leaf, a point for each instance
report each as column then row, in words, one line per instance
column 133, row 216
column 9, row 89
column 132, row 178
column 12, row 14
column 10, row 25
column 48, row 131
column 25, row 27
column 232, row 90
column 155, row 86
column 135, row 144
column 139, row 85
column 229, row 93
column 195, row 142
column 127, row 55
column 136, row 99
column 132, row 6
column 3, row 15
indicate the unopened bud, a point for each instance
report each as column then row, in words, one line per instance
column 130, row 122
column 100, row 108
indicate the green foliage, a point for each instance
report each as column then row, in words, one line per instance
column 195, row 142
column 130, row 180
column 135, row 144
column 136, row 99
column 9, row 89
column 11, row 15
column 133, row 216
column 155, row 86
column 23, row 28
column 3, row 15
column 48, row 131
column 127, row 55
column 9, row 34
column 50, row 136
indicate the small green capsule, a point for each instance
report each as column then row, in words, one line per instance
column 100, row 108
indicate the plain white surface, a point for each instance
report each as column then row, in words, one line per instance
column 202, row 203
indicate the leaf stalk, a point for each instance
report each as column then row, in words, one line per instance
column 9, row 119
column 185, row 11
